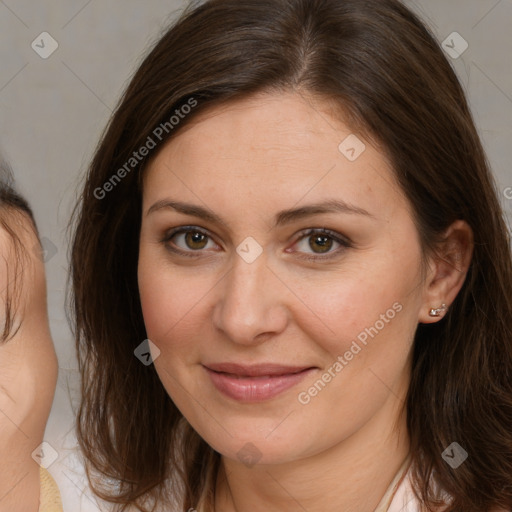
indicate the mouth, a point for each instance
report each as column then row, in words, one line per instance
column 255, row 383
column 257, row 370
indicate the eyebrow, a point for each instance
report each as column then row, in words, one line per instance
column 283, row 217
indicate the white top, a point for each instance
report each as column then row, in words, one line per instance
column 399, row 497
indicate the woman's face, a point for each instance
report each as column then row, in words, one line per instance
column 28, row 365
column 250, row 285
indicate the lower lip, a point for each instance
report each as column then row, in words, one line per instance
column 252, row 389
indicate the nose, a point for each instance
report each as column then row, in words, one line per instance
column 250, row 303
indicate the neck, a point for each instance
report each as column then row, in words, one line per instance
column 352, row 476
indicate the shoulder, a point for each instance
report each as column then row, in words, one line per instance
column 50, row 499
column 405, row 499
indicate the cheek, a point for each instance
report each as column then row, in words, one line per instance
column 169, row 299
column 367, row 315
column 344, row 305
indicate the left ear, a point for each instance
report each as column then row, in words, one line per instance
column 448, row 268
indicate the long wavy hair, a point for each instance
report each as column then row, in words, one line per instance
column 384, row 68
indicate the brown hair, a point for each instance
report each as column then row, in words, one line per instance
column 384, row 68
column 14, row 212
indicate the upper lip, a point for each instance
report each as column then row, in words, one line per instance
column 256, row 370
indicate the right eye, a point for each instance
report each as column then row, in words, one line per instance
column 193, row 240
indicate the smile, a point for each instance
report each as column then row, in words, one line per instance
column 255, row 384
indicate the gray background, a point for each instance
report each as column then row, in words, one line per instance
column 53, row 110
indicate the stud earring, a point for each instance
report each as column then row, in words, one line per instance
column 438, row 311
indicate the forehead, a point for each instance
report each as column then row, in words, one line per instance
column 272, row 149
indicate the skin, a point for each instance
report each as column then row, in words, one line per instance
column 28, row 373
column 245, row 161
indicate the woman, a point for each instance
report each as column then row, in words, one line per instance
column 28, row 362
column 292, row 217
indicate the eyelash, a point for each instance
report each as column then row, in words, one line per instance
column 345, row 244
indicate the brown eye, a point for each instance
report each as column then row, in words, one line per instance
column 195, row 240
column 323, row 242
column 320, row 241
column 187, row 240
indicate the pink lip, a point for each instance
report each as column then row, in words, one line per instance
column 255, row 383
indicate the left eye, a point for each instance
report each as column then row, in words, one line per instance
column 321, row 239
